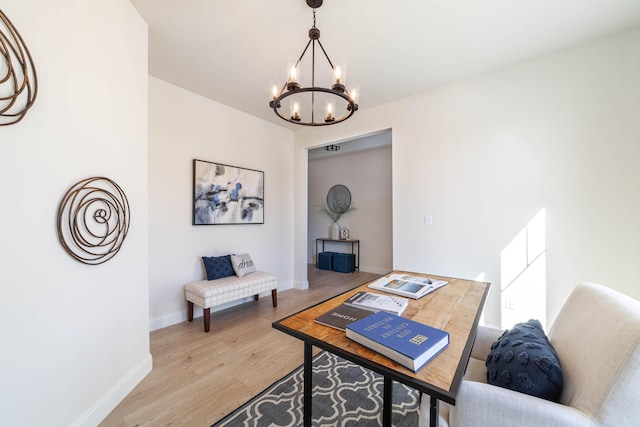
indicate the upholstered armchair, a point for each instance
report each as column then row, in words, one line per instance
column 597, row 339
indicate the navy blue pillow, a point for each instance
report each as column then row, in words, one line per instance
column 523, row 360
column 218, row 267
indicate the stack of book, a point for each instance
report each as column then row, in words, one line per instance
column 373, row 320
column 409, row 343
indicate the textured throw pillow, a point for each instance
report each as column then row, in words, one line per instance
column 218, row 267
column 242, row 264
column 523, row 360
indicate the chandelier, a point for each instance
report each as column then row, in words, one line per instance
column 305, row 102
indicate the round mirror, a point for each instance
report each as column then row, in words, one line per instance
column 339, row 198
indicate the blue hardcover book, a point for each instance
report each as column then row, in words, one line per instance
column 409, row 343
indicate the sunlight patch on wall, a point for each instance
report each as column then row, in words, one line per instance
column 523, row 273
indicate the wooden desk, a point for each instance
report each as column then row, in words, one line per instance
column 456, row 308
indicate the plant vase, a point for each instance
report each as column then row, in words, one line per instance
column 335, row 231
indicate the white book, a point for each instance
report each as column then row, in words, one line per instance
column 378, row 302
column 409, row 286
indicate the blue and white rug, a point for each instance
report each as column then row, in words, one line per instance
column 344, row 395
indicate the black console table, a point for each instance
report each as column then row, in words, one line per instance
column 353, row 243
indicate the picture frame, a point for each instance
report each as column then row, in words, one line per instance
column 225, row 194
column 344, row 233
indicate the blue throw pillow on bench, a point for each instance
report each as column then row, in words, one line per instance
column 218, row 267
column 523, row 360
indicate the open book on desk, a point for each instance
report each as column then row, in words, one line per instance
column 409, row 286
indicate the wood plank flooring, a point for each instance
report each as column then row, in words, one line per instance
column 198, row 377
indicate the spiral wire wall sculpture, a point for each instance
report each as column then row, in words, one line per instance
column 93, row 220
column 18, row 79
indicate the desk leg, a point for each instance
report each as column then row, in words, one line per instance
column 434, row 413
column 308, row 386
column 386, row 402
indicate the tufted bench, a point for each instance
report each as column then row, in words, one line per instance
column 210, row 293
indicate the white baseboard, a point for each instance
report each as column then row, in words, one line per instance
column 99, row 410
column 167, row 320
column 283, row 286
column 301, row 284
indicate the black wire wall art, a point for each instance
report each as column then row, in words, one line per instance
column 18, row 79
column 93, row 220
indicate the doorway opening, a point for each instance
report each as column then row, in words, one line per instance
column 363, row 165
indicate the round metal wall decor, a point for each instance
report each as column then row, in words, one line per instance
column 339, row 198
column 93, row 220
column 18, row 79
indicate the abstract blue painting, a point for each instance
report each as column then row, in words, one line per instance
column 224, row 194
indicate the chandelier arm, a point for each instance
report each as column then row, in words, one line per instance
column 303, row 52
column 325, row 54
column 284, row 86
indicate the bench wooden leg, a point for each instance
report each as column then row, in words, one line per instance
column 207, row 319
column 189, row 311
column 256, row 296
column 274, row 297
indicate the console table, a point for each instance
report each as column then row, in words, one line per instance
column 352, row 241
column 455, row 307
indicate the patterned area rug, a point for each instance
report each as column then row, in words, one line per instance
column 344, row 394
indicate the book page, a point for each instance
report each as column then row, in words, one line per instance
column 414, row 279
column 405, row 286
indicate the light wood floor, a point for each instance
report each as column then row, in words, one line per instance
column 198, row 378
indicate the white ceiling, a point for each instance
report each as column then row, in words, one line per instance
column 233, row 51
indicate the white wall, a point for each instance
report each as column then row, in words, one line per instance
column 184, row 126
column 484, row 155
column 367, row 174
column 74, row 337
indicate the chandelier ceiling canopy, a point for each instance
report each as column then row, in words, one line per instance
column 314, row 105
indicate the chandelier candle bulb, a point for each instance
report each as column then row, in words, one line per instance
column 293, row 74
column 354, row 93
column 339, row 77
column 295, row 109
column 274, row 97
column 337, row 74
column 330, row 108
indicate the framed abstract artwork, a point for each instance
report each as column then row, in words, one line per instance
column 224, row 194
